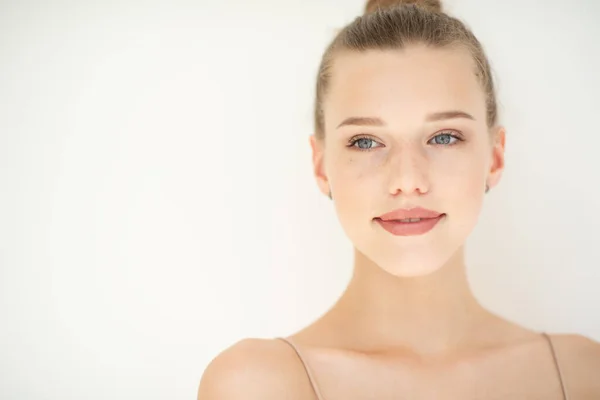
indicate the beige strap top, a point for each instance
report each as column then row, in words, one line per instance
column 319, row 396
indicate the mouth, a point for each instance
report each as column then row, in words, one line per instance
column 413, row 222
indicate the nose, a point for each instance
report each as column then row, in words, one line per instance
column 408, row 172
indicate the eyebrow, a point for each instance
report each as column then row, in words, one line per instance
column 438, row 116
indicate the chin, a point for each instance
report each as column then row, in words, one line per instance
column 411, row 265
column 411, row 256
column 414, row 257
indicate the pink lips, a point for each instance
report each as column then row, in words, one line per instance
column 423, row 221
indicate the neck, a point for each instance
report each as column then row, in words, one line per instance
column 425, row 315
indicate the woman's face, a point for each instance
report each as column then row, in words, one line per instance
column 407, row 129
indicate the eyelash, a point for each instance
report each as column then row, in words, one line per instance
column 355, row 139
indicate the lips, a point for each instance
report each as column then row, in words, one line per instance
column 412, row 213
column 409, row 222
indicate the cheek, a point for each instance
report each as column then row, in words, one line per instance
column 357, row 180
column 464, row 168
column 458, row 182
column 352, row 172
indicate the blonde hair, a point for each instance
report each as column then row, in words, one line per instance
column 395, row 24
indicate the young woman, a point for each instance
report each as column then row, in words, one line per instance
column 407, row 141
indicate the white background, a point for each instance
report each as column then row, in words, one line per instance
column 156, row 196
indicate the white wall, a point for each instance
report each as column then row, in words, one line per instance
column 156, row 197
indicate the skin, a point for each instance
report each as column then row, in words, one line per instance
column 408, row 324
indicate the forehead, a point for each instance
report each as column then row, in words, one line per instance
column 403, row 85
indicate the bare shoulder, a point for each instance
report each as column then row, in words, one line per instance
column 579, row 358
column 255, row 369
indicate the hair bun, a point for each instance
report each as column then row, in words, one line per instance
column 430, row 5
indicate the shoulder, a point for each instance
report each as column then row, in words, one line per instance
column 579, row 359
column 255, row 369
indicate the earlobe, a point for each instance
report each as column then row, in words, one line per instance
column 318, row 164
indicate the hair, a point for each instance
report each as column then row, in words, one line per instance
column 394, row 25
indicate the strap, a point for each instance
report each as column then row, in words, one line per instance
column 311, row 378
column 555, row 358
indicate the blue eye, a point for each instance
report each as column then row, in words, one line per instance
column 444, row 139
column 362, row 143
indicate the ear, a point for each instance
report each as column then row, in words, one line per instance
column 497, row 160
column 318, row 160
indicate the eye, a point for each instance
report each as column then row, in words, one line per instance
column 445, row 139
column 363, row 143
